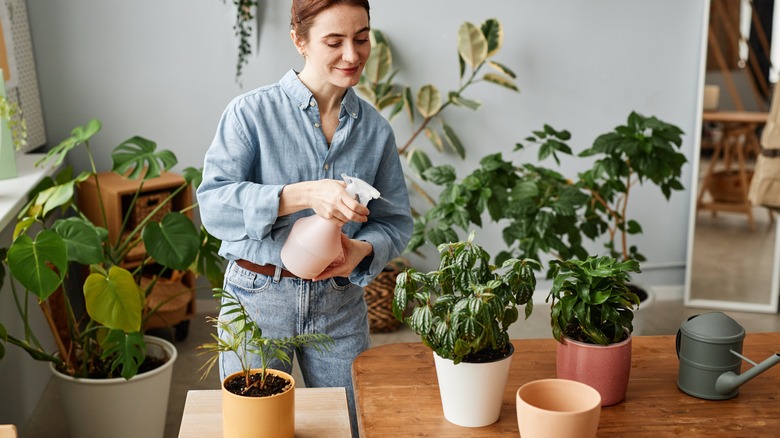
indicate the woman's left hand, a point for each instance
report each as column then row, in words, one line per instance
column 352, row 253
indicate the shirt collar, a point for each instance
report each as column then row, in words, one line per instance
column 302, row 97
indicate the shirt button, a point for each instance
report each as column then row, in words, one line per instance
column 312, row 103
column 316, row 125
column 354, row 114
column 327, row 166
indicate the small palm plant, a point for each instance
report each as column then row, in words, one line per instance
column 244, row 338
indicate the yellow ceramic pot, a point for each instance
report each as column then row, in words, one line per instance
column 259, row 417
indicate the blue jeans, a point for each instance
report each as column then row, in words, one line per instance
column 285, row 307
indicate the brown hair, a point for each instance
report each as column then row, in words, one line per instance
column 303, row 13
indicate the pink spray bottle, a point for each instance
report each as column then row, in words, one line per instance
column 315, row 242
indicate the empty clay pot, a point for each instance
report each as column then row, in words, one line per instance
column 558, row 408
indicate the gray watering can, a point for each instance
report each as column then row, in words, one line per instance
column 709, row 347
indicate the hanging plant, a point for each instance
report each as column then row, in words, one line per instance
column 245, row 14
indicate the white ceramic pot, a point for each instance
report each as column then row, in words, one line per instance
column 472, row 393
column 119, row 408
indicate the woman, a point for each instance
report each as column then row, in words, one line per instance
column 277, row 156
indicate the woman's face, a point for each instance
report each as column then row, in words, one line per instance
column 338, row 46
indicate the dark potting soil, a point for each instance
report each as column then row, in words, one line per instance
column 273, row 385
column 489, row 355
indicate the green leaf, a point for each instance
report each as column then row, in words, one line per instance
column 208, row 262
column 408, row 103
column 472, row 45
column 193, row 176
column 494, row 35
column 461, row 101
column 139, row 157
column 83, row 239
column 379, row 63
column 127, row 349
column 79, row 135
column 174, row 242
column 40, row 265
column 440, row 175
column 500, row 80
column 435, row 139
column 428, row 101
column 418, row 161
column 501, row 68
column 114, row 301
column 453, row 141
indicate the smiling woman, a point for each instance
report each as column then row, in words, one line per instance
column 277, row 157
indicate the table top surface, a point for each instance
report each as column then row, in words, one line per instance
column 396, row 387
column 319, row 412
column 735, row 116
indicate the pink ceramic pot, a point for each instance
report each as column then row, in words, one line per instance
column 606, row 368
column 558, row 408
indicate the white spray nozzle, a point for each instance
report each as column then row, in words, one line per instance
column 361, row 190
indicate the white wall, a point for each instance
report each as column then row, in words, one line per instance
column 165, row 70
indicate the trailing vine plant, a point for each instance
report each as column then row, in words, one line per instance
column 245, row 14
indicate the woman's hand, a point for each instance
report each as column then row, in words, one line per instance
column 352, row 253
column 328, row 198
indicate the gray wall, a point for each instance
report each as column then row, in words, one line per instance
column 164, row 69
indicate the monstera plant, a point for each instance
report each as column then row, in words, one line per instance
column 55, row 245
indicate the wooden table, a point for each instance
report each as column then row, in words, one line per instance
column 397, row 394
column 738, row 143
column 319, row 413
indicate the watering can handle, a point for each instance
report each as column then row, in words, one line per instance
column 677, row 342
column 679, row 335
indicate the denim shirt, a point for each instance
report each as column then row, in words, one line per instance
column 270, row 137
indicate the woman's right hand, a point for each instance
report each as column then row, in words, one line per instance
column 328, row 198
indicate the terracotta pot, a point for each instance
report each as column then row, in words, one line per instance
column 472, row 393
column 604, row 367
column 558, row 408
column 259, row 417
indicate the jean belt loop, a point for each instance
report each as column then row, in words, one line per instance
column 277, row 274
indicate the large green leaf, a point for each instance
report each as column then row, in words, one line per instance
column 174, row 242
column 83, row 239
column 428, row 101
column 139, row 157
column 128, row 350
column 115, row 301
column 472, row 45
column 79, row 135
column 40, row 265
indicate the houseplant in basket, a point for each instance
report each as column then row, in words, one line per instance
column 97, row 323
column 256, row 403
column 462, row 312
column 591, row 314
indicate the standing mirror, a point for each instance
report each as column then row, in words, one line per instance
column 734, row 250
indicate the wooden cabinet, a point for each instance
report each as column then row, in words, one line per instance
column 116, row 194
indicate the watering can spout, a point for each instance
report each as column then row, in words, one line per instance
column 728, row 382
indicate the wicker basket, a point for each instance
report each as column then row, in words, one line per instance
column 726, row 186
column 173, row 298
column 146, row 203
column 379, row 298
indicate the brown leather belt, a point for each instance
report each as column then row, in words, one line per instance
column 268, row 270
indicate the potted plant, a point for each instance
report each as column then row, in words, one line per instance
column 462, row 312
column 256, row 402
column 591, row 313
column 477, row 47
column 97, row 323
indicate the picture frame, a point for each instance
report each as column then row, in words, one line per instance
column 18, row 64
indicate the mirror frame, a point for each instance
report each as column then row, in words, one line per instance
column 688, row 301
